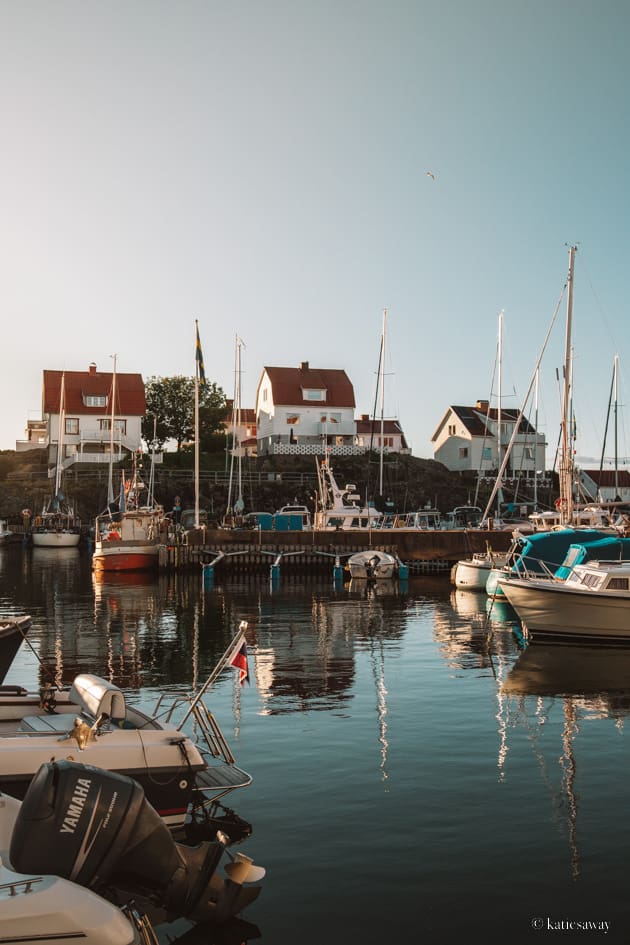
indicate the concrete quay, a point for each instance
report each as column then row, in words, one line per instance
column 306, row 551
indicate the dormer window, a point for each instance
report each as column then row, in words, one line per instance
column 95, row 400
column 312, row 393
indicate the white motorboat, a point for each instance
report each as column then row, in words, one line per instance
column 471, row 574
column 340, row 509
column 592, row 602
column 372, row 565
column 82, row 841
column 539, row 554
column 183, row 779
column 38, row 906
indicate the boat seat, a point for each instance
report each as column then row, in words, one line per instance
column 95, row 696
column 47, row 724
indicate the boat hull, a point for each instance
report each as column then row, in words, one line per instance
column 54, row 539
column 125, row 556
column 472, row 575
column 551, row 609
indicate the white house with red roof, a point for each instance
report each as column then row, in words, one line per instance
column 309, row 410
column 468, row 438
column 88, row 415
column 305, row 410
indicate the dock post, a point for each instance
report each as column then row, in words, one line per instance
column 338, row 571
column 403, row 570
column 274, row 571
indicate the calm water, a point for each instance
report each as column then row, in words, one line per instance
column 400, row 793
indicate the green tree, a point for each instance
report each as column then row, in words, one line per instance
column 171, row 410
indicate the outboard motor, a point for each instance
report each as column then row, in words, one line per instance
column 95, row 827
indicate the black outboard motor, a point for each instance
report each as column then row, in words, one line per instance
column 95, row 827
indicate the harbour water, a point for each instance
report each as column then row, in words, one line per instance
column 418, row 775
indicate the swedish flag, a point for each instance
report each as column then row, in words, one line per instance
column 201, row 374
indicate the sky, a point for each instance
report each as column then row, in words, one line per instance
column 284, row 171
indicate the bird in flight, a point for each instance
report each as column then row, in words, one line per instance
column 431, row 175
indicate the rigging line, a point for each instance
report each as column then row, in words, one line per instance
column 378, row 375
column 610, row 397
column 522, row 409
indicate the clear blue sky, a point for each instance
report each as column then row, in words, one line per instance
column 262, row 166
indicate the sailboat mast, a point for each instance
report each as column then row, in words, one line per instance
column 62, row 424
column 380, row 477
column 616, row 375
column 499, row 416
column 196, row 408
column 110, row 485
column 566, row 463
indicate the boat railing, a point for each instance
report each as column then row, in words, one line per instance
column 204, row 722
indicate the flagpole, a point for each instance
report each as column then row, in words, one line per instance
column 196, row 424
column 227, row 656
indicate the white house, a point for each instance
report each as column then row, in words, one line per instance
column 468, row 438
column 376, row 434
column 88, row 415
column 605, row 485
column 304, row 410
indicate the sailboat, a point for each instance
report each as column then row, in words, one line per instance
column 471, row 574
column 235, row 510
column 58, row 526
column 127, row 535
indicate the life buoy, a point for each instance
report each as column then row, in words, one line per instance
column 560, row 503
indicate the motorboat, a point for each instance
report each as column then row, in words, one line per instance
column 84, row 839
column 13, row 631
column 372, row 565
column 472, row 574
column 184, row 779
column 539, row 554
column 128, row 538
column 340, row 509
column 592, row 602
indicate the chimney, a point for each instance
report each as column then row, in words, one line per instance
column 482, row 406
column 92, row 368
column 303, row 365
column 365, row 416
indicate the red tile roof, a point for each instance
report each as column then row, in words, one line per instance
column 390, row 428
column 130, row 397
column 287, row 385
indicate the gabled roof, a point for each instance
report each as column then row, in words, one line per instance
column 473, row 419
column 130, row 396
column 605, row 478
column 390, row 428
column 288, row 384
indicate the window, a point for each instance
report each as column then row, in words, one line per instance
column 309, row 393
column 618, row 584
column 330, row 418
column 120, row 426
column 72, row 425
column 293, row 418
column 451, row 429
column 95, row 400
column 528, row 452
column 264, row 394
column 463, row 452
column 487, row 453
